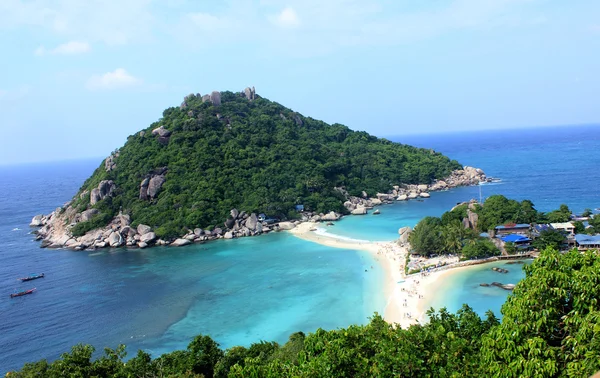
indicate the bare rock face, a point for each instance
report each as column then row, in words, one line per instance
column 473, row 218
column 234, row 213
column 88, row 214
column 404, row 233
column 359, row 211
column 331, row 216
column 109, row 162
column 250, row 93
column 154, row 185
column 144, row 188
column 37, row 221
column 286, row 225
column 215, row 98
column 251, row 222
column 105, row 189
column 148, row 237
column 205, row 98
column 180, row 242
column 142, row 229
column 115, row 240
column 161, row 131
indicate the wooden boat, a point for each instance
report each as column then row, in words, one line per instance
column 32, row 277
column 21, row 293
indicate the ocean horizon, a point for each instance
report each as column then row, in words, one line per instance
column 261, row 288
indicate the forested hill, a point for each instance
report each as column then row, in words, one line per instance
column 239, row 150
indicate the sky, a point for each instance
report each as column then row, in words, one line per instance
column 77, row 77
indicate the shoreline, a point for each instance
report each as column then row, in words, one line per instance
column 54, row 229
column 407, row 297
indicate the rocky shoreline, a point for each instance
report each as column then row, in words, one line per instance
column 54, row 230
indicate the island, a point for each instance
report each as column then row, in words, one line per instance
column 229, row 165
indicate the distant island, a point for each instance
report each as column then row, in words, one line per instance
column 228, row 165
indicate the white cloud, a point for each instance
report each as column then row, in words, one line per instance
column 287, row 18
column 69, row 48
column 116, row 79
column 114, row 22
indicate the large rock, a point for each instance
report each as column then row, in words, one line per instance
column 143, row 229
column 115, row 240
column 234, row 213
column 422, row 187
column 95, row 196
column 359, row 211
column 215, row 98
column 250, row 93
column 155, row 184
column 37, row 221
column 88, row 214
column 148, row 237
column 109, row 162
column 402, row 197
column 105, row 188
column 251, row 222
column 412, row 195
column 331, row 216
column 161, row 131
column 286, row 225
column 473, row 218
column 180, row 242
column 229, row 223
column 424, row 195
column 376, row 201
column 228, row 235
column 144, row 188
column 404, row 233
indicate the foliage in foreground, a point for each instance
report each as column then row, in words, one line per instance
column 550, row 328
column 256, row 156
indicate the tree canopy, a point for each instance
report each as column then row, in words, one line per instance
column 256, row 156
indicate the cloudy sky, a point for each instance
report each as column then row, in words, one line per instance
column 77, row 77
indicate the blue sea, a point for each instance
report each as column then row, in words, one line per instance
column 263, row 288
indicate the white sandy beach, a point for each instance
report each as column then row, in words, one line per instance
column 407, row 298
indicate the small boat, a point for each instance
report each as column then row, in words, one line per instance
column 21, row 293
column 32, row 277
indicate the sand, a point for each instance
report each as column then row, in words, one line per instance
column 407, row 298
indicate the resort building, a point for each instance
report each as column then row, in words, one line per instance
column 587, row 241
column 520, row 241
column 566, row 227
column 511, row 228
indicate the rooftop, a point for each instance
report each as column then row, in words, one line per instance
column 512, row 226
column 562, row 225
column 514, row 238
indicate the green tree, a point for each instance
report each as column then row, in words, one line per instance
column 204, row 354
column 426, row 238
column 480, row 248
column 551, row 322
column 549, row 238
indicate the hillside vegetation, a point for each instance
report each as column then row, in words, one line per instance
column 550, row 328
column 254, row 155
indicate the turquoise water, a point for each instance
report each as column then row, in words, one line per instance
column 462, row 286
column 242, row 291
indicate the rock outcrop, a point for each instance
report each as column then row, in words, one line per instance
column 106, row 188
column 152, row 183
column 109, row 162
column 250, row 93
column 404, row 233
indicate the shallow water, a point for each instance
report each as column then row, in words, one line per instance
column 241, row 291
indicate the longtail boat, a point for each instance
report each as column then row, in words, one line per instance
column 32, row 277
column 21, row 293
